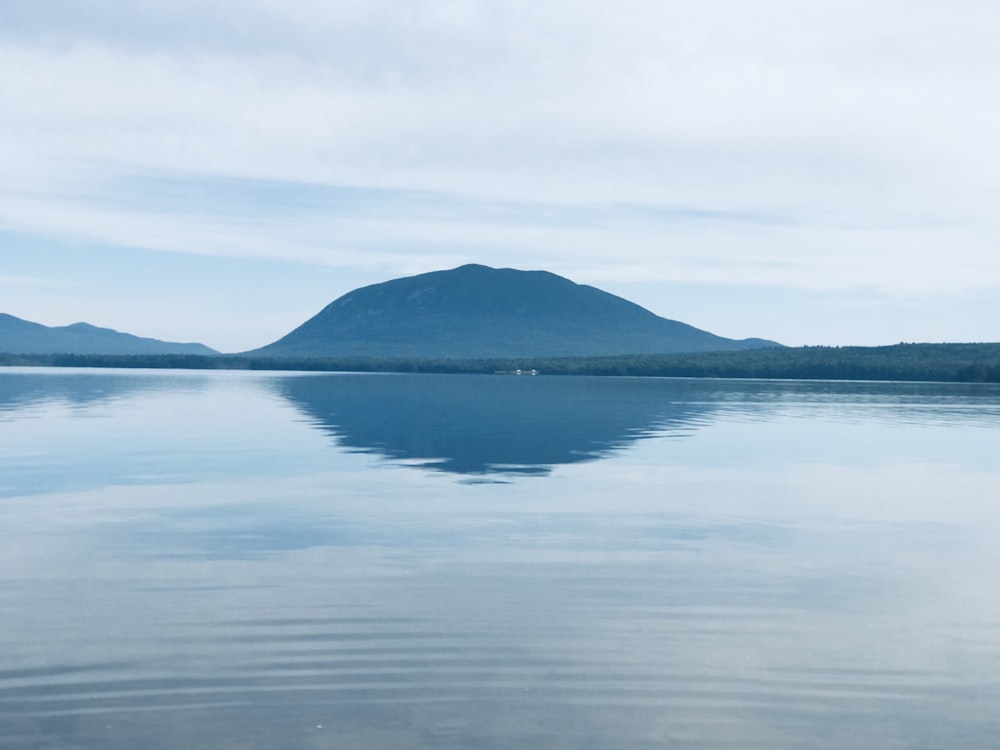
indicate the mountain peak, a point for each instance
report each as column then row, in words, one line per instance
column 478, row 312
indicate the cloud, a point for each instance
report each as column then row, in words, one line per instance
column 28, row 281
column 655, row 98
column 410, row 231
column 825, row 145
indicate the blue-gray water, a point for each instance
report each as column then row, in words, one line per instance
column 240, row 560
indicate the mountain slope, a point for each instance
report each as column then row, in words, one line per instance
column 19, row 336
column 479, row 312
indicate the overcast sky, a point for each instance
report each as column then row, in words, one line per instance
column 822, row 172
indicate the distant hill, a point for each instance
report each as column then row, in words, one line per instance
column 19, row 336
column 479, row 312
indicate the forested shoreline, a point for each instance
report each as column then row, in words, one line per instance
column 908, row 362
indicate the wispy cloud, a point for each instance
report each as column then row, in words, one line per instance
column 29, row 282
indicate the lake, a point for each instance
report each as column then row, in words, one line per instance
column 264, row 560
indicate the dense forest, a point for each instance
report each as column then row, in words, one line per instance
column 927, row 362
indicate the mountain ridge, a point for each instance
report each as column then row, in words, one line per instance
column 19, row 336
column 474, row 311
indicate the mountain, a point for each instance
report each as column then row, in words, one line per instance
column 24, row 337
column 477, row 312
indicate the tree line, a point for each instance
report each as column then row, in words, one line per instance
column 913, row 362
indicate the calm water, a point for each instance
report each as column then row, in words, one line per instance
column 243, row 560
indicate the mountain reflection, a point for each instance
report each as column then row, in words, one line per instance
column 500, row 424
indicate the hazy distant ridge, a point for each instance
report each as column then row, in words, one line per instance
column 479, row 312
column 19, row 336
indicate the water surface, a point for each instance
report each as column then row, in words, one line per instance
column 255, row 560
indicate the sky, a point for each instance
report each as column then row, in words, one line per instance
column 821, row 173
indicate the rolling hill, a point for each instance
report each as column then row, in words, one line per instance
column 475, row 311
